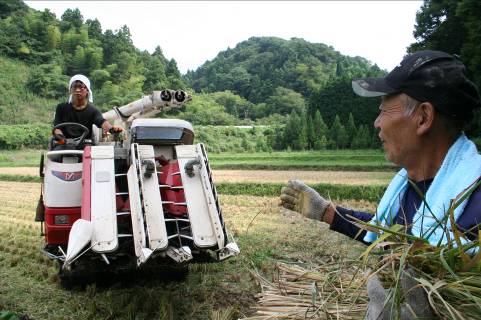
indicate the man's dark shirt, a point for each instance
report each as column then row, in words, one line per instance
column 468, row 220
column 88, row 116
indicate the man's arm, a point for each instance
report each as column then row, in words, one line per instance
column 57, row 120
column 299, row 197
column 106, row 126
column 343, row 223
column 100, row 122
column 470, row 219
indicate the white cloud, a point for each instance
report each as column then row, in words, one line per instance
column 192, row 32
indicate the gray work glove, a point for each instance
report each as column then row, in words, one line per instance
column 299, row 197
column 415, row 306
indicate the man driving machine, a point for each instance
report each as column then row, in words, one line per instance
column 79, row 109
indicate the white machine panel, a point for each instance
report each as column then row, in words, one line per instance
column 63, row 179
column 103, row 206
column 203, row 215
column 154, row 214
column 136, row 213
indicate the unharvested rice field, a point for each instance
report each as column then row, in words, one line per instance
column 226, row 290
column 270, row 176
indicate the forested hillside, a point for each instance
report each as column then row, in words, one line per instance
column 51, row 50
column 256, row 69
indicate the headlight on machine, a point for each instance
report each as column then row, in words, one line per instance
column 60, row 219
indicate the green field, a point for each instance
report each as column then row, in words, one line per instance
column 365, row 160
column 20, row 158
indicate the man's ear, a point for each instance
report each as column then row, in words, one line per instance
column 425, row 117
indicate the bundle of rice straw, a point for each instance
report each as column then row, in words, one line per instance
column 331, row 291
column 450, row 273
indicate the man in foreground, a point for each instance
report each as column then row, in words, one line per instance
column 426, row 102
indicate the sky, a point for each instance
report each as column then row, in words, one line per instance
column 192, row 32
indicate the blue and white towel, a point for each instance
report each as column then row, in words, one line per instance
column 460, row 167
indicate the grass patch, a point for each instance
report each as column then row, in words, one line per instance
column 19, row 178
column 20, row 158
column 368, row 193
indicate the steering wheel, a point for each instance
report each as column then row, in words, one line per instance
column 75, row 130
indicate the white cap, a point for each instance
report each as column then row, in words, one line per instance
column 85, row 81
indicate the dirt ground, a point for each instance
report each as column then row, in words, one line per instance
column 271, row 176
column 333, row 177
column 26, row 171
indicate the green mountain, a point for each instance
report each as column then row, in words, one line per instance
column 256, row 68
column 284, row 76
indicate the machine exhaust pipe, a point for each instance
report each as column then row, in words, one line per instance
column 165, row 95
column 155, row 102
column 180, row 96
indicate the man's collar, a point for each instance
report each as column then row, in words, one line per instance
column 81, row 108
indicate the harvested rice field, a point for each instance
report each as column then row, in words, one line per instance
column 227, row 290
column 30, row 171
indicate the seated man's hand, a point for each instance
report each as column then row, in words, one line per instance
column 59, row 137
column 115, row 129
column 299, row 197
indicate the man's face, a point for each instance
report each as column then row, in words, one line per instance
column 397, row 130
column 79, row 91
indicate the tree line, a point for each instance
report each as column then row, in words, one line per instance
column 306, row 132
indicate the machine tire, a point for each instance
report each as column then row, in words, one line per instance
column 66, row 280
column 204, row 257
column 73, row 278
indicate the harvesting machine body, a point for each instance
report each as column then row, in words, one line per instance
column 145, row 195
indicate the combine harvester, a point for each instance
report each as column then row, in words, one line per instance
column 144, row 197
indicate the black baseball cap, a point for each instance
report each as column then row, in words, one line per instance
column 427, row 76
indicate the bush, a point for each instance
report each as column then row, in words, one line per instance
column 219, row 139
column 24, row 136
column 48, row 81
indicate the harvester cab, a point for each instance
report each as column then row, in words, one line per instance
column 143, row 196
